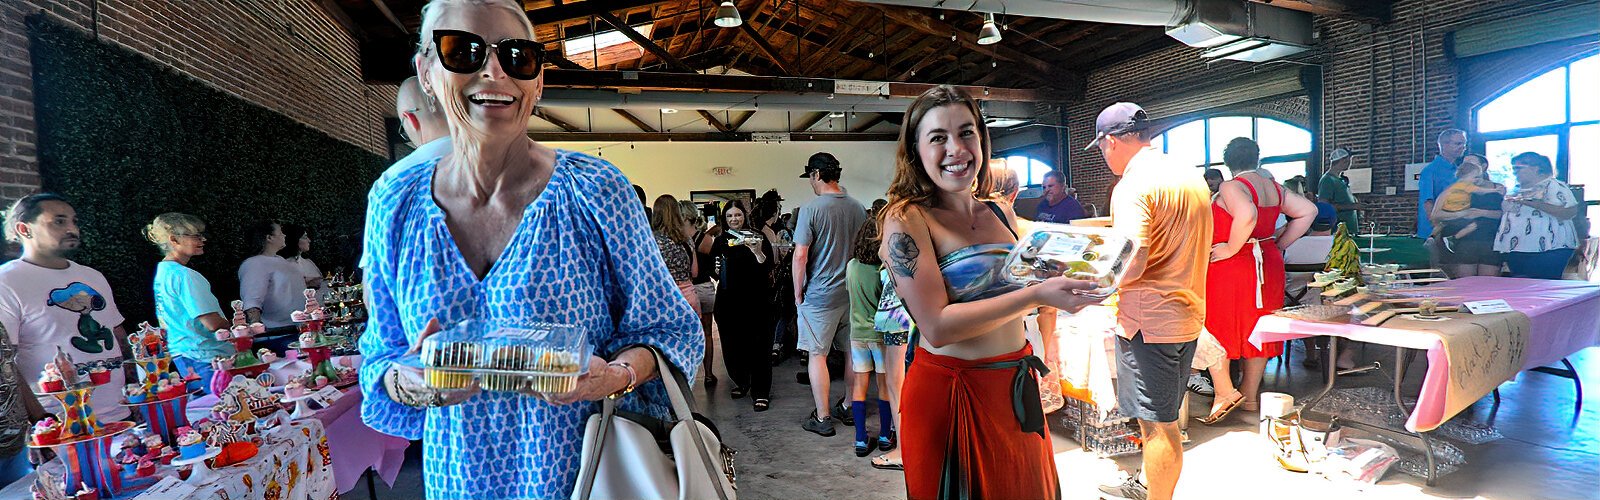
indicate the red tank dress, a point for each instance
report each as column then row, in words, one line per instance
column 1246, row 286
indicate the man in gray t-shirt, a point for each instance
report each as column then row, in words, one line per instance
column 823, row 237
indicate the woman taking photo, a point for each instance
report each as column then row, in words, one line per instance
column 505, row 230
column 744, row 308
column 971, row 434
column 185, row 306
column 1246, row 277
column 1466, row 219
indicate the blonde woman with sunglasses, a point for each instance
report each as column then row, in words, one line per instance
column 506, row 231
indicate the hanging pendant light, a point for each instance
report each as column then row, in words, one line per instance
column 727, row 15
column 989, row 34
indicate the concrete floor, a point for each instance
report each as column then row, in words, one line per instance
column 1545, row 454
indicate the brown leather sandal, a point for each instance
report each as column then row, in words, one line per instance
column 1217, row 416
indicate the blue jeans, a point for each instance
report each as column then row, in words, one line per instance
column 201, row 368
column 14, row 468
column 1546, row 265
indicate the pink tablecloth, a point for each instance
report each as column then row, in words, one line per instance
column 1565, row 319
column 352, row 445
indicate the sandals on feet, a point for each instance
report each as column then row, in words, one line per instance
column 886, row 442
column 1217, row 416
column 739, row 392
column 883, row 462
column 762, row 404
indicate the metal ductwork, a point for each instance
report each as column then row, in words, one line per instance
column 1229, row 29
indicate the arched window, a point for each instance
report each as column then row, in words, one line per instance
column 1556, row 114
column 1285, row 148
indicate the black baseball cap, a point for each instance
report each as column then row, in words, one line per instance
column 821, row 161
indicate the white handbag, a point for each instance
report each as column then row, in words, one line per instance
column 623, row 459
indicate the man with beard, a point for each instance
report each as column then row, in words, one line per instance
column 48, row 302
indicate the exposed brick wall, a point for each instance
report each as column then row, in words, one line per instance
column 1389, row 90
column 289, row 56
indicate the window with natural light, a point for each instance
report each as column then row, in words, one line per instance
column 1285, row 148
column 1029, row 171
column 605, row 48
column 1555, row 113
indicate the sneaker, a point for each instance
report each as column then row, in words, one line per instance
column 823, row 427
column 864, row 448
column 841, row 412
column 1131, row 489
column 1201, row 385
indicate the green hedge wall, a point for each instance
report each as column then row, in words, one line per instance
column 126, row 138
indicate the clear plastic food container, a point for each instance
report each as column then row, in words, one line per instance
column 542, row 357
column 1048, row 250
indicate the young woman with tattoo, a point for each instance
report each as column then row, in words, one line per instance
column 976, row 428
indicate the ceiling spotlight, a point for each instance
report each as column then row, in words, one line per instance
column 727, row 15
column 669, row 110
column 988, row 34
column 836, row 114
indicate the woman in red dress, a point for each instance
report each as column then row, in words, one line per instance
column 1246, row 277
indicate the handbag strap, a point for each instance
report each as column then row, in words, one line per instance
column 677, row 387
column 591, row 468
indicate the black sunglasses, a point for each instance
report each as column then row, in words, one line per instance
column 463, row 52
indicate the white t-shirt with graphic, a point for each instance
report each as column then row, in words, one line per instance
column 73, row 308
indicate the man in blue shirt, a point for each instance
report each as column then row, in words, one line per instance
column 1057, row 206
column 1438, row 176
column 1433, row 181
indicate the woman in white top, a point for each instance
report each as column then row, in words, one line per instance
column 270, row 287
column 295, row 253
column 1536, row 232
column 185, row 306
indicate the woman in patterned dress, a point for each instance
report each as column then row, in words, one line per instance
column 505, row 230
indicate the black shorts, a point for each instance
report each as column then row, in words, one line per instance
column 1151, row 378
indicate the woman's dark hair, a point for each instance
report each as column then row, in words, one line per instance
column 291, row 240
column 1540, row 161
column 1241, row 154
column 765, row 208
column 865, row 250
column 27, row 210
column 722, row 216
column 257, row 233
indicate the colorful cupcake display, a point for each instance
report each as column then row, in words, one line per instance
column 47, row 432
column 318, row 346
column 99, row 375
column 50, row 379
column 191, row 444
column 241, row 335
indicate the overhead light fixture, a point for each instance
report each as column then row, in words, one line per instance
column 669, row 110
column 989, row 34
column 728, row 15
column 836, row 114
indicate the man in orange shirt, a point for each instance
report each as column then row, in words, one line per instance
column 1161, row 305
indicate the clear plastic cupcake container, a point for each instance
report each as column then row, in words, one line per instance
column 1048, row 250
column 543, row 357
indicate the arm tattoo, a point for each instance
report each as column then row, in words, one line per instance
column 903, row 252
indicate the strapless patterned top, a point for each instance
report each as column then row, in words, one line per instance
column 976, row 272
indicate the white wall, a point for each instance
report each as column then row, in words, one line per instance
column 676, row 168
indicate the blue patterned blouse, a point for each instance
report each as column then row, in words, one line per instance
column 582, row 254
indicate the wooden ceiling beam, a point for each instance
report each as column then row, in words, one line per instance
column 645, row 127
column 715, row 123
column 809, row 63
column 1367, row 11
column 766, row 48
column 643, row 41
column 739, row 121
column 546, row 116
column 1043, row 71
